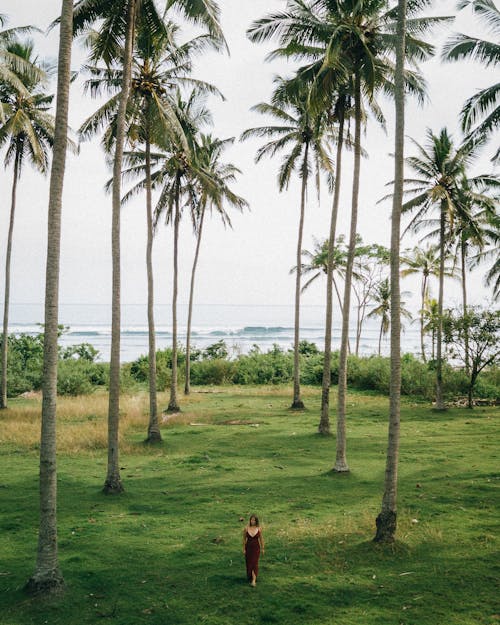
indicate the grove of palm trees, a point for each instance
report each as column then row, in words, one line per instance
column 291, row 212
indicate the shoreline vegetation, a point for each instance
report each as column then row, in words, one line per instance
column 234, row 450
column 80, row 373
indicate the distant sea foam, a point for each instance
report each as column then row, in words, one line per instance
column 241, row 327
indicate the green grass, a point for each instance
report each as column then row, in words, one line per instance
column 168, row 551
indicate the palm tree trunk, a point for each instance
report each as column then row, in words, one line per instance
column 297, row 403
column 324, row 423
column 380, row 337
column 387, row 519
column 422, row 343
column 339, row 299
column 187, row 383
column 113, row 483
column 341, row 465
column 463, row 255
column 358, row 329
column 173, row 405
column 439, row 338
column 47, row 577
column 154, row 434
column 5, row 336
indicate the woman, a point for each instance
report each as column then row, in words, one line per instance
column 253, row 543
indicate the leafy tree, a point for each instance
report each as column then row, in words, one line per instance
column 473, row 338
column 370, row 262
column 216, row 351
column 27, row 129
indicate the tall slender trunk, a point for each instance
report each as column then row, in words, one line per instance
column 439, row 339
column 187, row 384
column 339, row 299
column 463, row 256
column 47, row 577
column 173, row 405
column 5, row 336
column 113, row 483
column 380, row 338
column 324, row 423
column 422, row 343
column 341, row 459
column 154, row 434
column 386, row 521
column 297, row 403
column 358, row 330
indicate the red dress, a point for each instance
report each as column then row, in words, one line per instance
column 252, row 553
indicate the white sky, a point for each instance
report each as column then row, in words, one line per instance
column 250, row 264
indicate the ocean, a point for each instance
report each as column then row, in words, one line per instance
column 240, row 326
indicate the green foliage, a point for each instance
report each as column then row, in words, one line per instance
column 25, row 360
column 80, row 377
column 78, row 373
column 212, row 371
column 216, row 351
column 306, row 348
column 273, row 367
column 83, row 351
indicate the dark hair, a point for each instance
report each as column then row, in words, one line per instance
column 253, row 516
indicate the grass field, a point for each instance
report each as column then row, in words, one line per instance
column 168, row 551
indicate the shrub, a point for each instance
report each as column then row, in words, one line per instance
column 80, row 377
column 214, row 371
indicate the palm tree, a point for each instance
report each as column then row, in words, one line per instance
column 302, row 132
column 386, row 520
column 480, row 114
column 440, row 167
column 357, row 39
column 491, row 236
column 431, row 321
column 28, row 131
column 424, row 261
column 13, row 66
column 382, row 299
column 47, row 577
column 317, row 263
column 212, row 192
column 159, row 65
column 475, row 208
column 114, row 41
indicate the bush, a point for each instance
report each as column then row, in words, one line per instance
column 80, row 377
column 214, row 371
column 273, row 367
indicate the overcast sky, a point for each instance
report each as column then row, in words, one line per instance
column 249, row 264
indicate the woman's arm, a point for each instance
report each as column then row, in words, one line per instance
column 244, row 540
column 261, row 541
